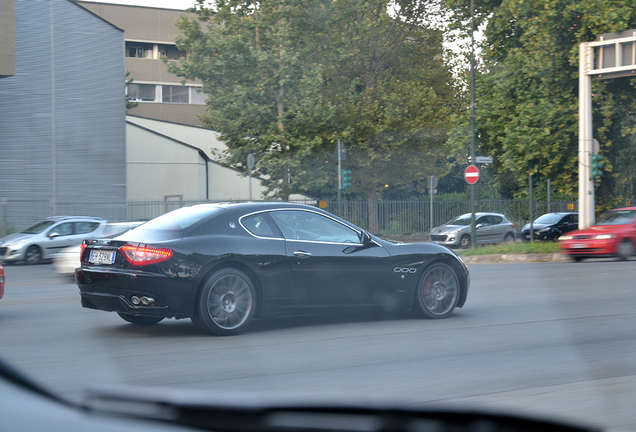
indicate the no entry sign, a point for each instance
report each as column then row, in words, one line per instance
column 471, row 174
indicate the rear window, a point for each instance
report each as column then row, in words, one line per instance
column 181, row 219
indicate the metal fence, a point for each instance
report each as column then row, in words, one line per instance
column 408, row 217
column 393, row 217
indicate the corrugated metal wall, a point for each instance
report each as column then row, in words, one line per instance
column 62, row 116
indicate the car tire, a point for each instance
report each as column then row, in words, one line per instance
column 509, row 238
column 624, row 250
column 226, row 303
column 437, row 292
column 33, row 255
column 577, row 258
column 464, row 241
column 140, row 320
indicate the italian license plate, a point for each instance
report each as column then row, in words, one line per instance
column 101, row 257
column 578, row 246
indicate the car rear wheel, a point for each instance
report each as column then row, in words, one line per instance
column 577, row 258
column 509, row 238
column 226, row 304
column 438, row 291
column 139, row 320
column 464, row 242
column 624, row 250
column 33, row 255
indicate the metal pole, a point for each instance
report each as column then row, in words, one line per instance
column 530, row 206
column 472, row 118
column 586, row 185
column 339, row 151
column 549, row 196
column 430, row 189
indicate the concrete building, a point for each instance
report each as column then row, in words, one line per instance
column 62, row 111
column 150, row 35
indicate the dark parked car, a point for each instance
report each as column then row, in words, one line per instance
column 222, row 265
column 551, row 226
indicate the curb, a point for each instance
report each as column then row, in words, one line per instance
column 514, row 258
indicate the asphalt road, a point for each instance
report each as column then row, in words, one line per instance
column 554, row 340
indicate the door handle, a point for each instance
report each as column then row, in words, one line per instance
column 302, row 254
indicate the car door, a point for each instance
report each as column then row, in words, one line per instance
column 330, row 263
column 484, row 229
column 499, row 229
column 59, row 237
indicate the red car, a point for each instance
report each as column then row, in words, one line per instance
column 1, row 281
column 614, row 235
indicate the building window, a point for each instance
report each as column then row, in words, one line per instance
column 139, row 50
column 171, row 51
column 141, row 92
column 175, row 94
column 196, row 96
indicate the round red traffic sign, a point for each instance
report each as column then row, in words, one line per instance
column 471, row 174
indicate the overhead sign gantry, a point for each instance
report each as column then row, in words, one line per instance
column 612, row 55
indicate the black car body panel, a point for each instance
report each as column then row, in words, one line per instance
column 290, row 272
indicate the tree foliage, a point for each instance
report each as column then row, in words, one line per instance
column 527, row 88
column 285, row 79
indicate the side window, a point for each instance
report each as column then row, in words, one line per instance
column 85, row 227
column 575, row 218
column 567, row 219
column 257, row 225
column 483, row 221
column 63, row 229
column 497, row 220
column 306, row 225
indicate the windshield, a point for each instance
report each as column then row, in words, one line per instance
column 233, row 114
column 38, row 227
column 462, row 220
column 548, row 219
column 617, row 217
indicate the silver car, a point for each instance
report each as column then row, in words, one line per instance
column 489, row 228
column 47, row 237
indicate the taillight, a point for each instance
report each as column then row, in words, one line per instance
column 82, row 249
column 142, row 255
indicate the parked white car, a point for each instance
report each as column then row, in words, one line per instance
column 68, row 259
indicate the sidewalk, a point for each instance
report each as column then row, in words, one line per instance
column 514, row 258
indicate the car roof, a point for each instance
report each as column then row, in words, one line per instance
column 61, row 218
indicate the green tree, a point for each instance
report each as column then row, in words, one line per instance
column 393, row 94
column 259, row 64
column 527, row 87
column 285, row 79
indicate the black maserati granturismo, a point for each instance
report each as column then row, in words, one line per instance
column 224, row 264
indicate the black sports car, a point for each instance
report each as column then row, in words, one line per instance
column 223, row 264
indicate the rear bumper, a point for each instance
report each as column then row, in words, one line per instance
column 105, row 290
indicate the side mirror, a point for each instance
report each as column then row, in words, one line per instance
column 365, row 238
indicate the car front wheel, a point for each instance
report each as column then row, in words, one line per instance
column 438, row 292
column 33, row 255
column 226, row 303
column 625, row 250
column 464, row 241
